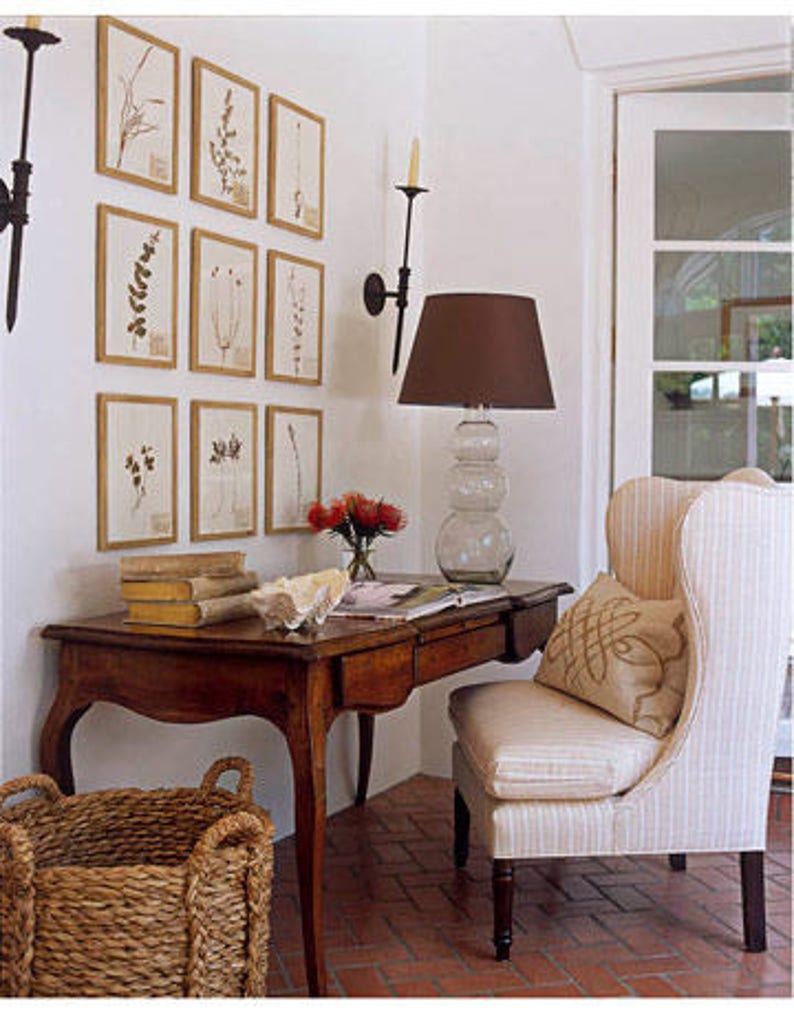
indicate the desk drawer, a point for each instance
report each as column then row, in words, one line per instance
column 380, row 679
column 469, row 648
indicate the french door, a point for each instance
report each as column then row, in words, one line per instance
column 703, row 373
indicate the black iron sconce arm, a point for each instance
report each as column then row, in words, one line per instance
column 375, row 291
column 14, row 203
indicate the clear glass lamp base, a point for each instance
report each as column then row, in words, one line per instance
column 474, row 549
column 474, row 544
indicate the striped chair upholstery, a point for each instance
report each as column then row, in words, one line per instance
column 542, row 774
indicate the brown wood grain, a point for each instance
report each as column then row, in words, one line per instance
column 299, row 681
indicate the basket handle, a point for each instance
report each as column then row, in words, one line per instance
column 41, row 783
column 18, row 865
column 245, row 783
column 239, row 828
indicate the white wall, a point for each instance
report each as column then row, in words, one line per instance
column 505, row 118
column 366, row 77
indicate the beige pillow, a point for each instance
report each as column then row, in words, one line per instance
column 623, row 654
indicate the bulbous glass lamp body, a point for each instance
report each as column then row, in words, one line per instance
column 473, row 543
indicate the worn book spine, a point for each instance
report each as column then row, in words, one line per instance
column 185, row 590
column 183, row 565
column 198, row 614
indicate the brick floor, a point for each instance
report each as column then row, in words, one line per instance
column 401, row 921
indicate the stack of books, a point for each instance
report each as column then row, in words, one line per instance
column 187, row 589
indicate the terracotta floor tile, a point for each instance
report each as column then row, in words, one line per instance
column 552, row 990
column 472, row 984
column 660, row 964
column 416, row 988
column 365, row 955
column 652, row 986
column 363, row 982
column 422, row 969
column 597, row 981
column 538, row 969
column 714, row 984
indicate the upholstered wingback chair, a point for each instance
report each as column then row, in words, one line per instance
column 542, row 773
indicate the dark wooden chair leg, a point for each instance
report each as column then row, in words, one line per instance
column 366, row 735
column 462, row 825
column 502, row 880
column 677, row 861
column 753, row 904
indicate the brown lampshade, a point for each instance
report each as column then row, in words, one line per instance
column 478, row 349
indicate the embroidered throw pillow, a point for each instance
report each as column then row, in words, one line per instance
column 623, row 654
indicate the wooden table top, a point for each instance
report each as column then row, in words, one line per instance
column 336, row 636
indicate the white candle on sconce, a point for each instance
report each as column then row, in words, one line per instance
column 413, row 168
column 33, row 21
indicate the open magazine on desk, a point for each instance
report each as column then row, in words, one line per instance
column 407, row 601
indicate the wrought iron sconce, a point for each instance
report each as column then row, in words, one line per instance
column 14, row 203
column 375, row 292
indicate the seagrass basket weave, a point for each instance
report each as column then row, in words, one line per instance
column 135, row 893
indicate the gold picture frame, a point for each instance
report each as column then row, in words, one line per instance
column 136, row 288
column 296, row 168
column 295, row 308
column 136, row 471
column 223, row 469
column 294, row 456
column 224, row 168
column 137, row 106
column 224, row 285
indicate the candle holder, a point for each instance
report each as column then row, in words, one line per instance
column 375, row 291
column 14, row 203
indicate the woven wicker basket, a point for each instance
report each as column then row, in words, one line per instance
column 135, row 893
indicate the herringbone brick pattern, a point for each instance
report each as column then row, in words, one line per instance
column 402, row 921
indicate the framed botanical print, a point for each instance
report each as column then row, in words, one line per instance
column 136, row 291
column 296, row 170
column 225, row 140
column 294, row 466
column 137, row 454
column 223, row 469
column 137, row 106
column 223, row 304
column 294, row 318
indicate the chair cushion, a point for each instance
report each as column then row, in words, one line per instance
column 526, row 741
column 621, row 653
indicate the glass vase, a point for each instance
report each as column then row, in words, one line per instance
column 360, row 565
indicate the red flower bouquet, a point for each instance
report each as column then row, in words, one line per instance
column 358, row 520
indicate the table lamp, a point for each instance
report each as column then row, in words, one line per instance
column 481, row 351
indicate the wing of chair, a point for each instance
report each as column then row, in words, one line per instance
column 540, row 773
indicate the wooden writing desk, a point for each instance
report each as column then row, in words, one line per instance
column 299, row 681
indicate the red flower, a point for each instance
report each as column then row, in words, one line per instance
column 336, row 514
column 391, row 518
column 316, row 516
column 365, row 512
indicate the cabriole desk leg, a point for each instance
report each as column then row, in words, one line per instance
column 55, row 742
column 306, row 738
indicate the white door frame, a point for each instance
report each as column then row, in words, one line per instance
column 602, row 89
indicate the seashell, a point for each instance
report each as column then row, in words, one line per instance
column 305, row 599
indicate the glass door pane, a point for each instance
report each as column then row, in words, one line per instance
column 708, row 423
column 705, row 304
column 723, row 185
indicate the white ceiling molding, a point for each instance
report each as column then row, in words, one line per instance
column 650, row 51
